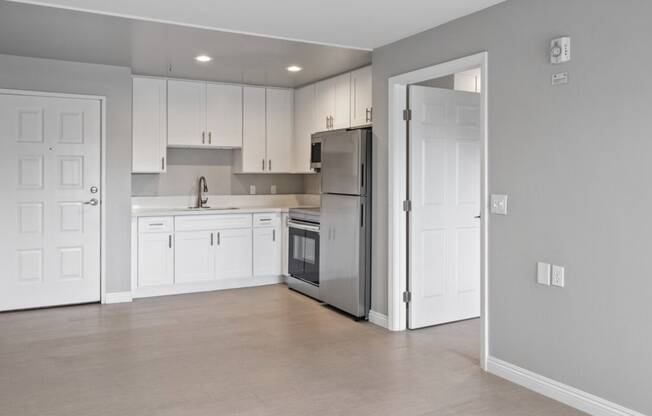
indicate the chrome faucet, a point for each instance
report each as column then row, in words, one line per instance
column 202, row 197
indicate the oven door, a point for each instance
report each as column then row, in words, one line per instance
column 303, row 262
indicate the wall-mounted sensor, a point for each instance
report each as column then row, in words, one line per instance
column 560, row 50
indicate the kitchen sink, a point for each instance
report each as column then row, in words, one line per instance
column 209, row 209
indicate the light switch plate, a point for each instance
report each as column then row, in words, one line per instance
column 543, row 273
column 558, row 276
column 499, row 204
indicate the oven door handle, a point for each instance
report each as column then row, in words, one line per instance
column 299, row 226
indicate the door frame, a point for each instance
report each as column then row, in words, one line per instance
column 397, row 272
column 102, row 101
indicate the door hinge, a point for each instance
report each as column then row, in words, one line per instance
column 407, row 205
column 407, row 114
column 407, row 297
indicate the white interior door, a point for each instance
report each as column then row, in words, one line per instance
column 49, row 171
column 445, row 137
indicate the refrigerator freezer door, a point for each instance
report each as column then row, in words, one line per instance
column 341, row 162
column 342, row 280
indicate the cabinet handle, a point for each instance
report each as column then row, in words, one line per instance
column 211, row 239
column 162, row 163
column 263, row 164
column 371, row 114
column 274, row 235
column 327, row 120
column 218, row 239
column 203, row 137
column 170, row 241
column 269, row 165
column 210, row 137
column 366, row 118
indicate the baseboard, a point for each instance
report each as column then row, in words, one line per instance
column 118, row 297
column 563, row 393
column 379, row 319
column 208, row 286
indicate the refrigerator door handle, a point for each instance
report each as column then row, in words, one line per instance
column 361, row 215
column 362, row 176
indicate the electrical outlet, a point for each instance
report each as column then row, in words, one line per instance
column 543, row 273
column 499, row 204
column 558, row 278
column 252, row 189
column 272, row 190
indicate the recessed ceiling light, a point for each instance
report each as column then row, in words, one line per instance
column 294, row 68
column 203, row 58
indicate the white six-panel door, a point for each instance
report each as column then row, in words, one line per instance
column 444, row 254
column 49, row 172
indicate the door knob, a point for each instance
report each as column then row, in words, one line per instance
column 93, row 202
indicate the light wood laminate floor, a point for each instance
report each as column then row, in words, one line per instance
column 258, row 351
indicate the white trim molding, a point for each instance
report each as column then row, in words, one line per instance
column 397, row 219
column 563, row 393
column 378, row 318
column 118, row 297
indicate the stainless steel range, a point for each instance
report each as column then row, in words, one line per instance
column 303, row 261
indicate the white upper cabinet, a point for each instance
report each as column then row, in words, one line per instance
column 224, row 115
column 333, row 103
column 279, row 122
column 202, row 114
column 304, row 122
column 324, row 105
column 253, row 154
column 342, row 110
column 361, row 111
column 186, row 113
column 149, row 127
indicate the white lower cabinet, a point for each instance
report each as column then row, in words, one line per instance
column 194, row 256
column 193, row 253
column 155, row 252
column 233, row 254
column 267, row 251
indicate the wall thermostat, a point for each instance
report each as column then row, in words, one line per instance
column 560, row 50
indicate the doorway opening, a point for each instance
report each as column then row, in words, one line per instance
column 438, row 196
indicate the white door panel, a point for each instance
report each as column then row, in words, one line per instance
column 224, row 115
column 194, row 256
column 50, row 159
column 342, row 110
column 267, row 251
column 445, row 134
column 155, row 259
column 361, row 97
column 254, row 157
column 233, row 253
column 279, row 129
column 187, row 113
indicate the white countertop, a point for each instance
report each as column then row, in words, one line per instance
column 164, row 212
column 220, row 204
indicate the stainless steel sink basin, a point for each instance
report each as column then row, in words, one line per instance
column 209, row 209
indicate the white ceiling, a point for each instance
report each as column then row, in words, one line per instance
column 362, row 24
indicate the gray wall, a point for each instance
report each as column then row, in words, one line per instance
column 185, row 166
column 575, row 161
column 115, row 84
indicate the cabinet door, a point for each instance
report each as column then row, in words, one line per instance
column 342, row 110
column 267, row 251
column 233, row 253
column 324, row 104
column 149, row 126
column 224, row 115
column 253, row 138
column 194, row 256
column 155, row 259
column 279, row 129
column 361, row 97
column 186, row 113
column 304, row 102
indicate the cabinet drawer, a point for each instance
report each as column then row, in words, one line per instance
column 212, row 222
column 267, row 219
column 155, row 225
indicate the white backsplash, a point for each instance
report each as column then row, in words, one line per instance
column 227, row 201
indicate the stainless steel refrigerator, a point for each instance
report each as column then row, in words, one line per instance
column 345, row 233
